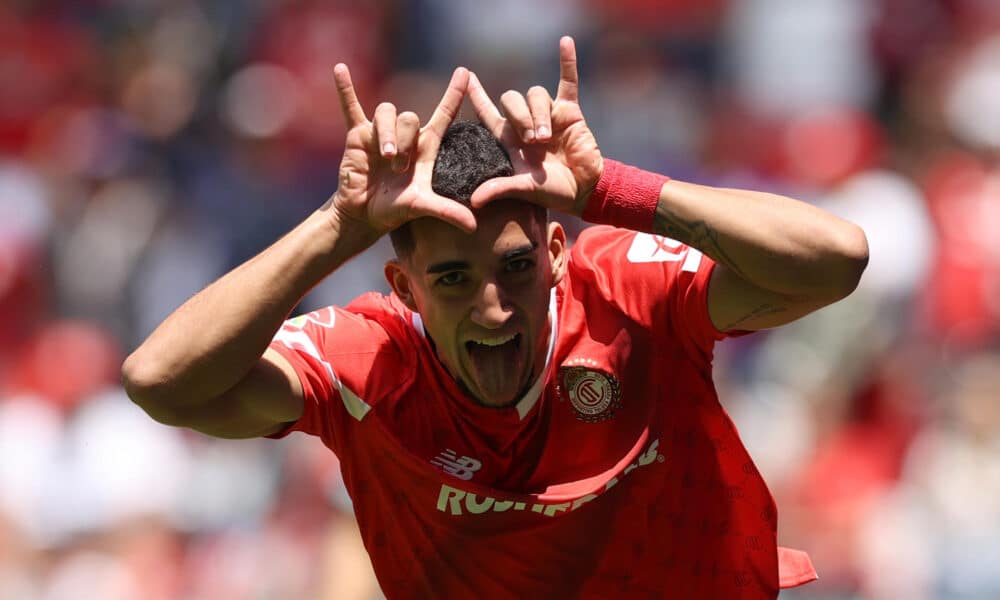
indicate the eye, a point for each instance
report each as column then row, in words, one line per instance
column 451, row 278
column 518, row 265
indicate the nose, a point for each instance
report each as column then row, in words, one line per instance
column 490, row 310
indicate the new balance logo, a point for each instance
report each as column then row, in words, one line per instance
column 461, row 467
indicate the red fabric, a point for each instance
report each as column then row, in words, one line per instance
column 625, row 197
column 794, row 568
column 655, row 497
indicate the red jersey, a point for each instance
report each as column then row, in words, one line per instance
column 617, row 475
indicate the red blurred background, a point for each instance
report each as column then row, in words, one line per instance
column 147, row 147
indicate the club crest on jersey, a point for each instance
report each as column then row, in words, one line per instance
column 595, row 395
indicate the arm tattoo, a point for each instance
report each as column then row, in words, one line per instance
column 700, row 235
column 693, row 233
column 760, row 311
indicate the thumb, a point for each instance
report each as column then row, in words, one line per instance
column 522, row 186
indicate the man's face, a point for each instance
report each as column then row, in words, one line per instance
column 484, row 297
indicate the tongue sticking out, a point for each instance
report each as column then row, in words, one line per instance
column 497, row 369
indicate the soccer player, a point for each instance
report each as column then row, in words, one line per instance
column 517, row 419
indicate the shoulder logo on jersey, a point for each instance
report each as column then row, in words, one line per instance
column 324, row 317
column 595, row 395
column 462, row 467
column 648, row 248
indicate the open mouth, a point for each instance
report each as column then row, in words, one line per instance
column 494, row 344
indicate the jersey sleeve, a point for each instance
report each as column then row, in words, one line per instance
column 346, row 361
column 657, row 282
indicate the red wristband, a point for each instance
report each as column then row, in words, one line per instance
column 625, row 196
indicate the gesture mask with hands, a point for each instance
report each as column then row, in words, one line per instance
column 388, row 163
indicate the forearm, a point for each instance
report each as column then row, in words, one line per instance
column 774, row 242
column 213, row 340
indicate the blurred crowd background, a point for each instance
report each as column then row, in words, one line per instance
column 147, row 146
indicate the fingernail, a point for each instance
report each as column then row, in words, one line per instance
column 529, row 135
column 389, row 148
column 543, row 132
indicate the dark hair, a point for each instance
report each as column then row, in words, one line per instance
column 468, row 156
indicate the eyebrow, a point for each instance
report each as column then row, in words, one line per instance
column 448, row 265
column 458, row 265
column 520, row 251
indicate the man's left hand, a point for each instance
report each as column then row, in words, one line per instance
column 556, row 159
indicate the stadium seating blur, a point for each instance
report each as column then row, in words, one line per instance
column 147, row 147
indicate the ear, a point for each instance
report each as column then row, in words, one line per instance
column 399, row 280
column 558, row 254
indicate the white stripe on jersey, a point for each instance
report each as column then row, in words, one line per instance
column 299, row 341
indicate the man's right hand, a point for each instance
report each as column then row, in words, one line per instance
column 559, row 166
column 385, row 174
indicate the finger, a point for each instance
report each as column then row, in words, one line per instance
column 384, row 121
column 569, row 81
column 407, row 128
column 354, row 114
column 521, row 186
column 518, row 115
column 447, row 109
column 487, row 112
column 540, row 105
column 445, row 209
